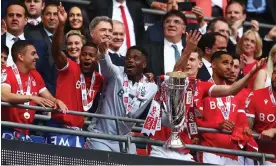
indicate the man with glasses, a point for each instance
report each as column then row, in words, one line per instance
column 163, row 56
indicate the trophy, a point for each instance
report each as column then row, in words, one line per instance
column 175, row 109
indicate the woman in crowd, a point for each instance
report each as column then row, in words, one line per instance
column 263, row 78
column 78, row 20
column 249, row 48
column 74, row 42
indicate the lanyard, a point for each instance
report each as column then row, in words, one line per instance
column 129, row 105
column 272, row 98
column 19, row 82
column 85, row 104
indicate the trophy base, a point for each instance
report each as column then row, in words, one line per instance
column 174, row 142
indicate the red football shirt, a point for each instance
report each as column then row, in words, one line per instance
column 262, row 109
column 68, row 90
column 202, row 91
column 14, row 114
column 212, row 116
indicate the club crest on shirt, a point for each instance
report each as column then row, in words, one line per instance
column 265, row 101
column 33, row 82
column 3, row 77
column 78, row 84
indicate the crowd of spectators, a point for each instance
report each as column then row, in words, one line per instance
column 105, row 58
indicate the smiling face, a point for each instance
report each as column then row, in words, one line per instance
column 174, row 28
column 50, row 18
column 28, row 56
column 118, row 36
column 75, row 18
column 74, row 45
column 135, row 63
column 102, row 32
column 193, row 64
column 249, row 44
column 88, row 59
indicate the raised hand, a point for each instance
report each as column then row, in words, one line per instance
column 62, row 15
column 192, row 39
column 3, row 27
column 159, row 5
column 198, row 11
column 243, row 61
column 103, row 47
column 272, row 33
column 255, row 25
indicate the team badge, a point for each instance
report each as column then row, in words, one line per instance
column 33, row 82
column 3, row 77
column 265, row 101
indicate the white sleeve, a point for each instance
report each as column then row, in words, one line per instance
column 136, row 112
column 203, row 29
column 108, row 69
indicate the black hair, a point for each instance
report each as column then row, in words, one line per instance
column 218, row 54
column 212, row 23
column 47, row 4
column 90, row 44
column 4, row 48
column 139, row 48
column 175, row 13
column 18, row 3
column 208, row 40
column 18, row 47
column 84, row 29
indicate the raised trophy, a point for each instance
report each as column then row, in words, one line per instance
column 175, row 108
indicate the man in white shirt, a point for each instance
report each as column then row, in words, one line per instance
column 210, row 43
column 34, row 8
column 163, row 56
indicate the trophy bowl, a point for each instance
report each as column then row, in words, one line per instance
column 175, row 107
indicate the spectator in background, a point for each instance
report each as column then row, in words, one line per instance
column 16, row 20
column 263, row 78
column 249, row 48
column 77, row 85
column 236, row 15
column 74, row 42
column 78, row 20
column 210, row 43
column 4, row 55
column 163, row 55
column 235, row 71
column 260, row 109
column 101, row 29
column 128, row 12
column 22, row 84
column 116, row 43
column 34, row 8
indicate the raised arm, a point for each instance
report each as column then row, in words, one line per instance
column 260, row 80
column 226, row 90
column 192, row 39
column 59, row 57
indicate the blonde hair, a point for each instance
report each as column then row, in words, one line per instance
column 269, row 66
column 259, row 44
column 77, row 33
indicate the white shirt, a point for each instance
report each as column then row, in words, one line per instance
column 114, row 52
column 48, row 34
column 169, row 54
column 117, row 15
column 240, row 33
column 9, row 43
column 35, row 20
column 217, row 3
column 208, row 66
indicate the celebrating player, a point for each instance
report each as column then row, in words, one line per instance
column 127, row 93
column 261, row 113
column 21, row 83
column 77, row 85
column 223, row 113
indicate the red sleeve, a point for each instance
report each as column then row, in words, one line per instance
column 70, row 66
column 39, row 81
column 250, row 106
column 6, row 77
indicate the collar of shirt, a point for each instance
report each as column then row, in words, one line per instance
column 178, row 44
column 47, row 32
column 240, row 32
column 38, row 19
column 118, row 4
column 9, row 36
column 113, row 52
column 206, row 63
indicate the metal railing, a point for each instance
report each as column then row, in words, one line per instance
column 125, row 138
column 160, row 12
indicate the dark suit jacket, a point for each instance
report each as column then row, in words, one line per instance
column 42, row 65
column 203, row 74
column 116, row 59
column 105, row 8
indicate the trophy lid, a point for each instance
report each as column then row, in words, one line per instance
column 177, row 74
